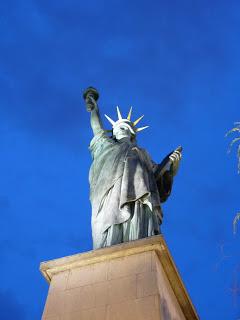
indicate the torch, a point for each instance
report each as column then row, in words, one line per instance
column 89, row 95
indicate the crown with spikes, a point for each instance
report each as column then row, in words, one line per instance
column 128, row 122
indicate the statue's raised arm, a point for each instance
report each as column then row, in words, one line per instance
column 91, row 96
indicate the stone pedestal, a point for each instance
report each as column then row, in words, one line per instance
column 132, row 281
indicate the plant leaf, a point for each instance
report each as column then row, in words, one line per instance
column 238, row 155
column 235, row 221
column 232, row 143
column 232, row 130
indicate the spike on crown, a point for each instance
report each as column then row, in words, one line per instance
column 132, row 125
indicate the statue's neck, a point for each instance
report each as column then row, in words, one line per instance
column 126, row 140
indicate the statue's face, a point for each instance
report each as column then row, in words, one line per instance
column 122, row 131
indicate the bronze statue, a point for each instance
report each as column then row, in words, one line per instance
column 126, row 186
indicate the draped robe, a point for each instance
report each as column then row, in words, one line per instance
column 123, row 188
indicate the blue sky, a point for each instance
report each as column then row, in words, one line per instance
column 176, row 62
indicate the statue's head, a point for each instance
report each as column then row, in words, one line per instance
column 125, row 128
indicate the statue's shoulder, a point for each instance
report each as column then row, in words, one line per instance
column 100, row 139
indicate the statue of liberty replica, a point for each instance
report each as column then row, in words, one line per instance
column 126, row 187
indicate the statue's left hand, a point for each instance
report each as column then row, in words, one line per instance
column 175, row 158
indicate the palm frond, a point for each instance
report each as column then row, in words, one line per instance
column 238, row 155
column 235, row 129
column 232, row 143
column 235, row 221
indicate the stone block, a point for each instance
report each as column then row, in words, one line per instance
column 88, row 275
column 101, row 293
column 88, row 314
column 129, row 265
column 147, row 284
column 121, row 289
column 59, row 282
column 146, row 308
column 55, row 305
column 80, row 277
column 52, row 318
column 79, row 298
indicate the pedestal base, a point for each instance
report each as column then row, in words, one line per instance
column 132, row 281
